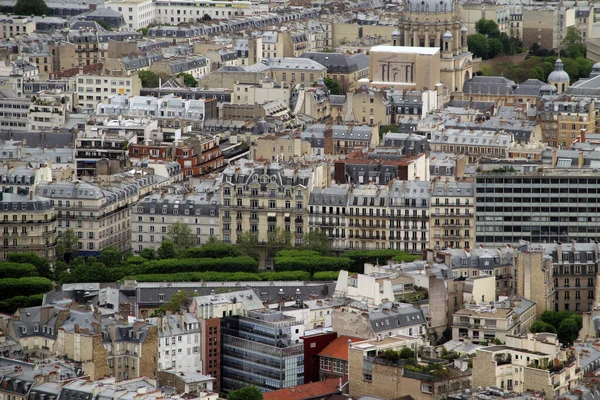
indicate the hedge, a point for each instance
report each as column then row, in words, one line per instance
column 216, row 250
column 223, row 277
column 361, row 257
column 326, row 276
column 14, row 303
column 11, row 287
column 17, row 270
column 311, row 263
column 227, row 264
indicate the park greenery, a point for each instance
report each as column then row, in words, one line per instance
column 31, row 7
column 540, row 62
column 489, row 42
column 246, row 393
column 24, row 278
column 565, row 324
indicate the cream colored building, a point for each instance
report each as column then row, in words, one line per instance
column 261, row 197
column 15, row 25
column 29, row 225
column 482, row 322
column 523, row 365
column 452, row 215
column 547, row 25
column 46, row 113
column 93, row 89
column 291, row 71
column 137, row 13
column 275, row 148
column 403, row 67
column 260, row 93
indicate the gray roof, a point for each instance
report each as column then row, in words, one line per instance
column 395, row 315
column 334, row 62
column 497, row 85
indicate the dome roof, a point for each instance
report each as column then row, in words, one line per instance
column 596, row 66
column 429, row 6
column 447, row 35
column 558, row 75
column 464, row 29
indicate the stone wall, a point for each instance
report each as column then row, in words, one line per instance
column 149, row 354
column 484, row 369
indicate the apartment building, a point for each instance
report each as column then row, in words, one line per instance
column 46, row 113
column 28, row 223
column 531, row 363
column 547, row 25
column 270, row 361
column 452, row 215
column 285, row 147
column 155, row 213
column 186, row 11
column 14, row 113
column 564, row 117
column 473, row 144
column 253, row 93
column 15, row 25
column 101, row 148
column 341, row 139
column 554, row 206
column 534, row 278
column 93, row 89
column 91, row 41
column 137, row 13
column 483, row 322
column 197, row 66
column 178, row 342
column 371, row 374
column 292, row 71
column 100, row 215
column 258, row 197
column 381, row 166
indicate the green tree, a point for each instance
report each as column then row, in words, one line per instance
column 144, row 31
column 167, row 250
column 496, row 47
column 178, row 300
column 333, row 86
column 103, row 24
column 278, row 240
column 31, row 7
column 573, row 43
column 149, row 79
column 148, row 254
column 188, row 79
column 67, row 245
column 110, row 257
column 487, row 27
column 541, row 326
column 41, row 264
column 539, row 73
column 212, row 239
column 248, row 245
column 246, row 393
column 568, row 331
column 182, row 235
column 478, row 45
column 317, row 240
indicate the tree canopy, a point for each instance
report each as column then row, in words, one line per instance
column 573, row 44
column 246, row 393
column 487, row 27
column 489, row 42
column 181, row 235
column 67, row 245
column 318, row 241
column 31, row 7
column 149, row 79
column 188, row 79
column 535, row 67
column 478, row 45
column 167, row 250
column 248, row 245
column 333, row 86
column 565, row 324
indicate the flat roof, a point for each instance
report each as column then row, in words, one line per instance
column 406, row 49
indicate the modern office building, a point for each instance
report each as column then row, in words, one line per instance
column 553, row 206
column 263, row 349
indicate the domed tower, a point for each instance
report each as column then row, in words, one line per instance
column 547, row 90
column 396, row 38
column 464, row 32
column 447, row 45
column 595, row 70
column 559, row 78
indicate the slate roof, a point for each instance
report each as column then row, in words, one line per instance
column 496, row 85
column 395, row 315
column 531, row 87
column 334, row 62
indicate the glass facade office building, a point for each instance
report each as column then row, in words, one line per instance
column 261, row 350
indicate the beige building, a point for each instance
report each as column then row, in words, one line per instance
column 46, row 113
column 482, row 323
column 373, row 375
column 93, row 89
column 403, row 67
column 547, row 25
column 274, row 148
column 452, row 213
column 534, row 279
column 291, row 71
column 530, row 363
column 259, row 93
column 137, row 13
column 263, row 197
column 15, row 25
column 29, row 225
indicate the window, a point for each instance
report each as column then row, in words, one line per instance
column 325, row 364
column 368, row 377
column 425, row 388
column 338, row 366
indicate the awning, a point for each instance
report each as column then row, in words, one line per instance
column 271, row 214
